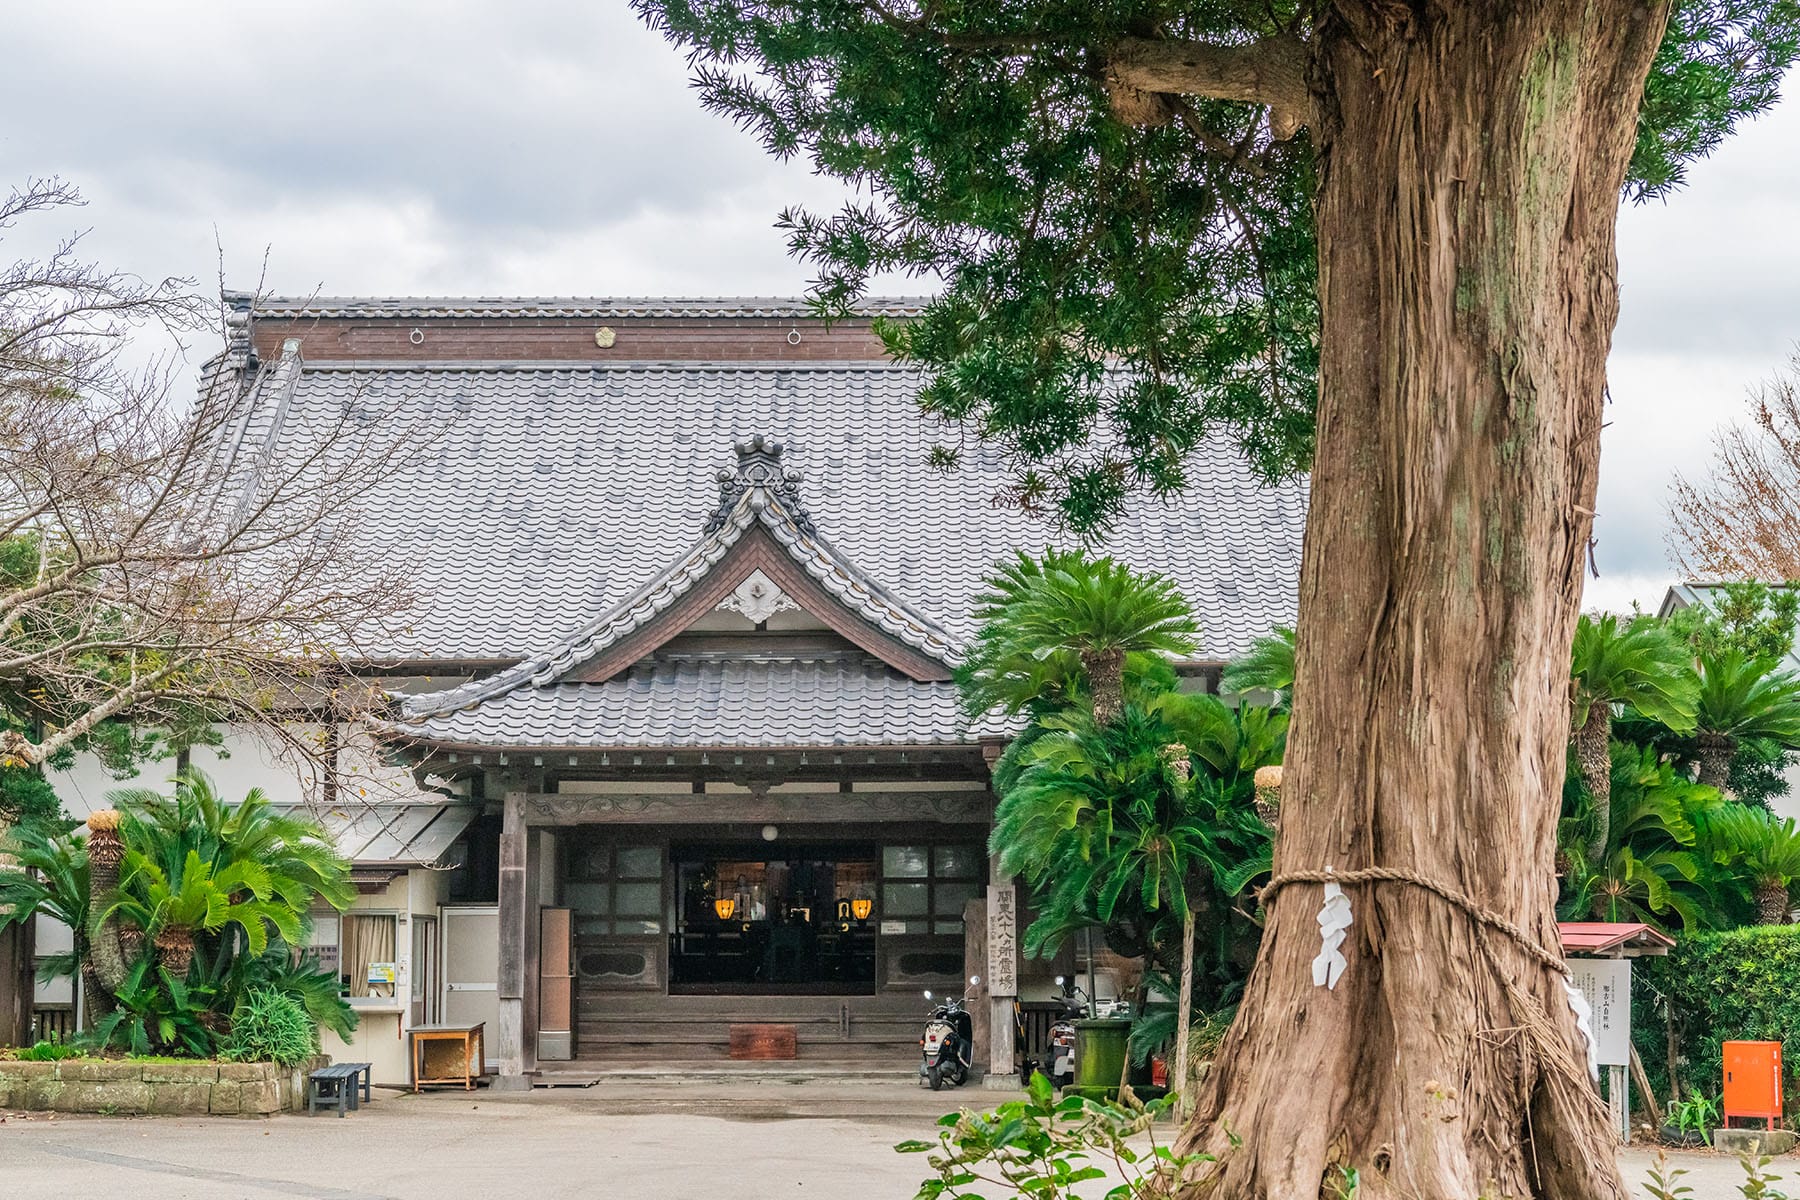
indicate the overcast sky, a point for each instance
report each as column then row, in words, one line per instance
column 553, row 147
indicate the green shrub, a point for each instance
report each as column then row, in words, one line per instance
column 1740, row 985
column 1043, row 1147
column 270, row 1026
column 48, row 1051
column 157, row 1013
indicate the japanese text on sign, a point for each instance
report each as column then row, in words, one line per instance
column 1002, row 947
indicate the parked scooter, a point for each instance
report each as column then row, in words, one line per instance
column 948, row 1044
column 1060, row 1049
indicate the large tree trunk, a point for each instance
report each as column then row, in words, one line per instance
column 1471, row 157
column 1593, row 750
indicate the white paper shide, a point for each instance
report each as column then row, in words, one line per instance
column 1334, row 923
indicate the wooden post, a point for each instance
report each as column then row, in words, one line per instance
column 1183, row 1016
column 515, row 935
column 1618, row 1102
column 981, row 1013
column 17, row 983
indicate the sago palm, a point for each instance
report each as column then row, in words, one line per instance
column 1636, row 663
column 1742, row 699
column 1658, row 862
column 1765, row 851
column 297, row 855
column 1268, row 666
column 172, row 901
column 44, row 871
column 1066, row 625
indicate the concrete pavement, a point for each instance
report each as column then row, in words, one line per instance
column 623, row 1141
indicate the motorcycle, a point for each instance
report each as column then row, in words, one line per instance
column 948, row 1042
column 1060, row 1049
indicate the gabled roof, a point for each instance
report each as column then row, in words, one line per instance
column 551, row 496
column 760, row 494
column 1629, row 938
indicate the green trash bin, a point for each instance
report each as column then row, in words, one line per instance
column 1100, row 1046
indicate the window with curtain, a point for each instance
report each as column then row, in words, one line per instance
column 368, row 966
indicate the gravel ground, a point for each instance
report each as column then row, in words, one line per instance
column 748, row 1141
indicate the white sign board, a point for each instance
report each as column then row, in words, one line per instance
column 1606, row 983
column 1003, row 941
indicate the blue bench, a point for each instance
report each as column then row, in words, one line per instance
column 337, row 1085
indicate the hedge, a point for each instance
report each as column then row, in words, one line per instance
column 1741, row 985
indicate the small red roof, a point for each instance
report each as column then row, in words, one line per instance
column 1604, row 937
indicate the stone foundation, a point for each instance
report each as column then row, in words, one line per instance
column 154, row 1089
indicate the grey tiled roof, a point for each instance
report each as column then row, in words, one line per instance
column 826, row 702
column 552, row 494
column 570, row 307
column 761, row 498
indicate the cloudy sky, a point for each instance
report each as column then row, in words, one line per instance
column 553, row 147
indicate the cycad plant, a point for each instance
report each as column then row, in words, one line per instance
column 1636, row 663
column 1764, row 851
column 1063, row 627
column 173, row 901
column 1268, row 666
column 48, row 874
column 157, row 879
column 1658, row 864
column 1742, row 699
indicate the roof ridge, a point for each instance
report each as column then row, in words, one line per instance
column 495, row 365
column 503, row 307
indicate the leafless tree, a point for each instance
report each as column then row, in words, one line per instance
column 164, row 561
column 1743, row 520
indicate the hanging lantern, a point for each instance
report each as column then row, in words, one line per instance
column 724, row 906
column 860, row 908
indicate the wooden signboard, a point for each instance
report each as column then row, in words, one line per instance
column 762, row 1042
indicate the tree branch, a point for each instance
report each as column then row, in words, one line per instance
column 1271, row 71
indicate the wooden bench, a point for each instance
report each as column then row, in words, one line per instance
column 338, row 1085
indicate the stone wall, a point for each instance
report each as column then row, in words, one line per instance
column 157, row 1089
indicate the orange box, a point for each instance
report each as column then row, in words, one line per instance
column 1752, row 1081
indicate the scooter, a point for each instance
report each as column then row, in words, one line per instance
column 1061, row 1048
column 948, row 1043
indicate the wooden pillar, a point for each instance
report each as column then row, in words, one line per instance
column 975, row 962
column 17, row 983
column 511, row 1044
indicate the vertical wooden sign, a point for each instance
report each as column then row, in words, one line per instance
column 1002, row 940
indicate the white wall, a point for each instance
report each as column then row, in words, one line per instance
column 1789, row 805
column 248, row 758
column 379, row 1038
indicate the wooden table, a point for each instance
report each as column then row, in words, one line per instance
column 421, row 1039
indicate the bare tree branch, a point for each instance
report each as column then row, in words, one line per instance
column 1743, row 521
column 168, row 563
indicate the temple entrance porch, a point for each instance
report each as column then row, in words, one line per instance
column 786, row 923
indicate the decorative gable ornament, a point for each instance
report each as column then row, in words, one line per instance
column 758, row 598
column 761, row 476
